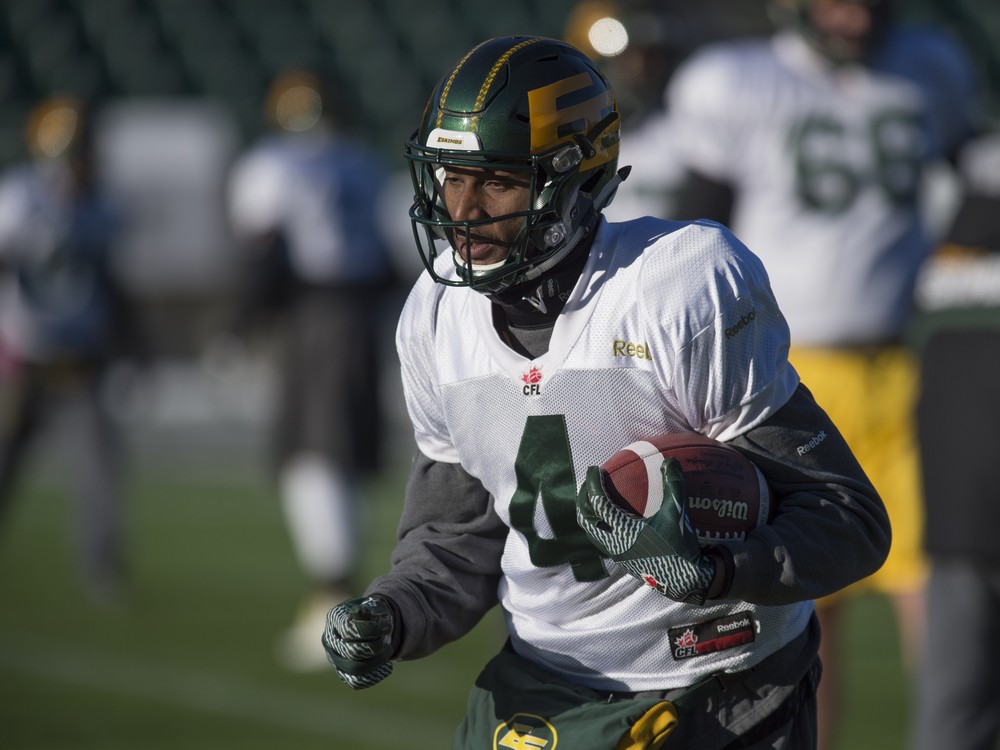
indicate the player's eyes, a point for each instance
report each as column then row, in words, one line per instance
column 494, row 185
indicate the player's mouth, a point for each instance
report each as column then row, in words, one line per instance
column 478, row 249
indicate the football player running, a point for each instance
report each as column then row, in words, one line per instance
column 812, row 145
column 303, row 204
column 516, row 392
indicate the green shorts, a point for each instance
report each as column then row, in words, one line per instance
column 517, row 704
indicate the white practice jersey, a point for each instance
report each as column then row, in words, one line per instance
column 827, row 166
column 671, row 327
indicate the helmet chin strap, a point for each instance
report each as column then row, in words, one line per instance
column 537, row 298
column 459, row 261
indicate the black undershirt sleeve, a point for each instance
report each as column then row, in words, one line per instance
column 446, row 563
column 829, row 527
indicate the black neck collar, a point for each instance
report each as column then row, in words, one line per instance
column 537, row 304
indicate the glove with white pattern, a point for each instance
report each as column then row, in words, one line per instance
column 358, row 640
column 662, row 550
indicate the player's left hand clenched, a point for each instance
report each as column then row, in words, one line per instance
column 662, row 550
column 358, row 640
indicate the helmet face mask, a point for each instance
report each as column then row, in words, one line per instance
column 527, row 106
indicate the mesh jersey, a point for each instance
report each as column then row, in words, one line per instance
column 672, row 326
column 323, row 194
column 827, row 166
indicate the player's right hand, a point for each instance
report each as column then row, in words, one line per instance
column 358, row 640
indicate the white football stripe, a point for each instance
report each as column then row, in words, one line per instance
column 651, row 459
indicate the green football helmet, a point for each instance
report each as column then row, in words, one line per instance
column 524, row 104
column 798, row 15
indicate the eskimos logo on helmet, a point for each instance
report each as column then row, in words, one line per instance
column 454, row 139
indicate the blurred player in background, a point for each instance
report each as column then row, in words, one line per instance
column 958, row 703
column 812, row 146
column 304, row 202
column 623, row 633
column 64, row 319
column 638, row 44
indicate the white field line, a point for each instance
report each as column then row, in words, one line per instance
column 215, row 694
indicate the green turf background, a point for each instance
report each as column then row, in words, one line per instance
column 187, row 662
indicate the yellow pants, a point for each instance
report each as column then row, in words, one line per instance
column 870, row 394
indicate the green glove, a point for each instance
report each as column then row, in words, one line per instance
column 358, row 640
column 662, row 550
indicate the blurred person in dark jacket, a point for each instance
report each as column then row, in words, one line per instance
column 304, row 203
column 64, row 319
column 958, row 695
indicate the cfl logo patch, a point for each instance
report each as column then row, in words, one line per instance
column 531, row 379
column 525, row 732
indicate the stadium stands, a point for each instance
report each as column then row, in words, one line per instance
column 229, row 49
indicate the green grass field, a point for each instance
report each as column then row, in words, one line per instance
column 187, row 660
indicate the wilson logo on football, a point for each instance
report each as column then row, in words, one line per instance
column 726, row 496
column 531, row 380
column 721, row 507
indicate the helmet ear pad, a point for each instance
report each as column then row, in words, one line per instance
column 519, row 103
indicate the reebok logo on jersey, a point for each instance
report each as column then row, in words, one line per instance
column 622, row 348
column 816, row 440
column 713, row 635
column 745, row 320
column 531, row 380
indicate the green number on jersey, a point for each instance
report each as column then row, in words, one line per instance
column 544, row 469
column 827, row 181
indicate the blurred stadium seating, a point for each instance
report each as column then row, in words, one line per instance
column 394, row 50
column 229, row 49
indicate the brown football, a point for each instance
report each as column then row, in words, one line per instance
column 727, row 496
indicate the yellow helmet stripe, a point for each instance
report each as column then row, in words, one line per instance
column 491, row 76
column 487, row 82
column 449, row 82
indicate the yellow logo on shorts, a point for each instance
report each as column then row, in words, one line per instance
column 525, row 732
